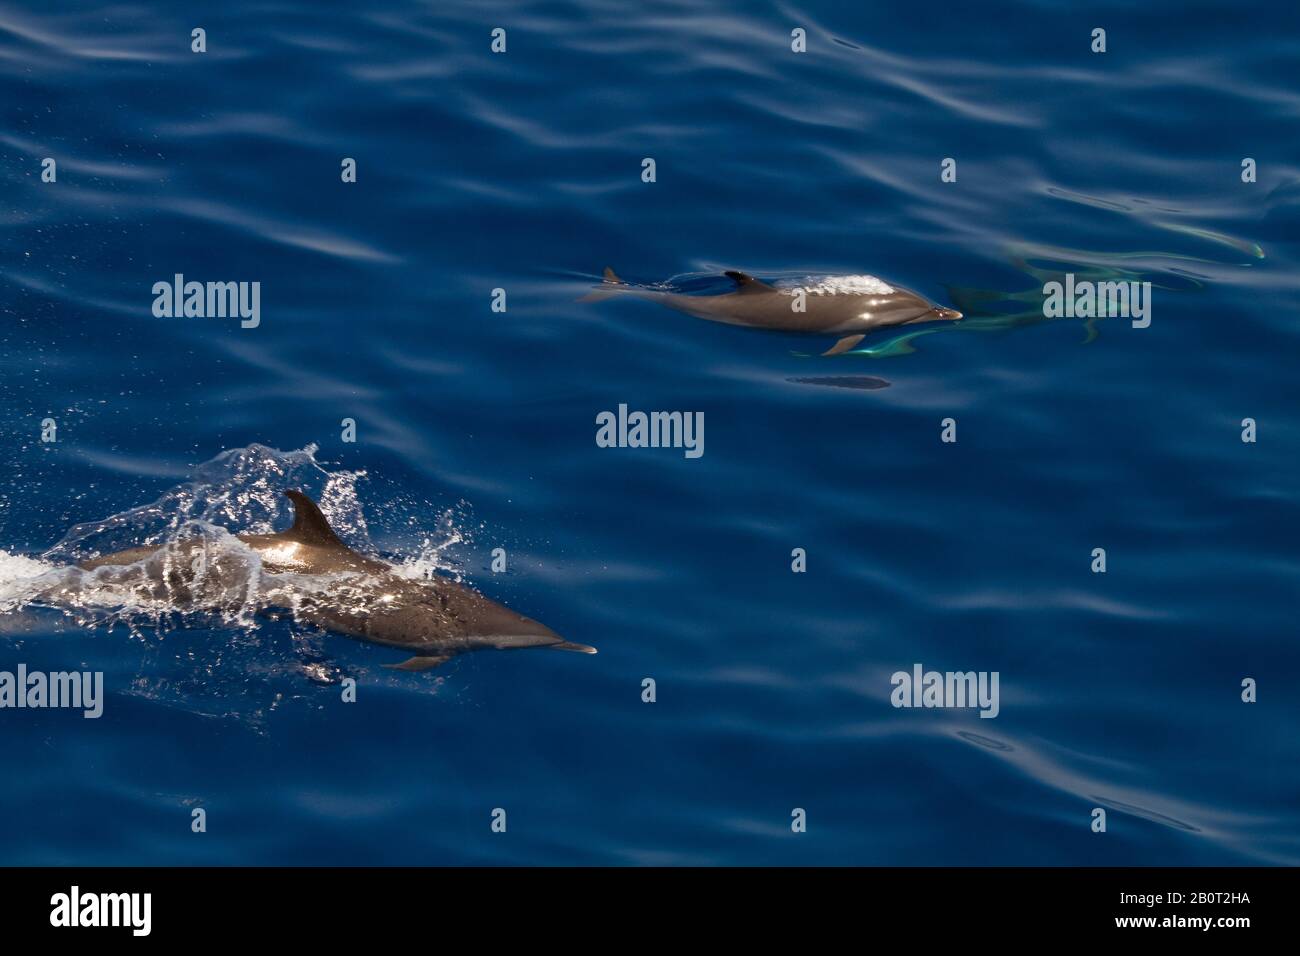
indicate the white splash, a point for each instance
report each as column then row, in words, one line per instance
column 200, row 568
column 837, row 285
column 434, row 556
column 241, row 488
column 19, row 577
column 285, row 554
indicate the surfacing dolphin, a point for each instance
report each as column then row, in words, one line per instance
column 848, row 306
column 434, row 619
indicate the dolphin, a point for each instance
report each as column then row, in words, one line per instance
column 848, row 306
column 434, row 620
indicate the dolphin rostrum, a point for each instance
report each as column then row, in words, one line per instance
column 848, row 306
column 433, row 619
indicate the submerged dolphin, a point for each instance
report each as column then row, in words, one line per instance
column 435, row 619
column 849, row 306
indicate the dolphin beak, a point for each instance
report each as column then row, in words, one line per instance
column 509, row 629
column 934, row 315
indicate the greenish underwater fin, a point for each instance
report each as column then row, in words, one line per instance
column 1090, row 328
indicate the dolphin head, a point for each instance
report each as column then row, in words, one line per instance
column 905, row 307
column 937, row 313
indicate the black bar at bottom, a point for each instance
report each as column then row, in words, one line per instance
column 219, row 905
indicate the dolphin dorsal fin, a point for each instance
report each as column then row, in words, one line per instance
column 747, row 283
column 309, row 525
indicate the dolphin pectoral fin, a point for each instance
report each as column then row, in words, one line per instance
column 844, row 344
column 420, row 663
column 747, row 283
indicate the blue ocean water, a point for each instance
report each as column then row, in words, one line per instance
column 475, row 430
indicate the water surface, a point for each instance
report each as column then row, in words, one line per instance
column 522, row 171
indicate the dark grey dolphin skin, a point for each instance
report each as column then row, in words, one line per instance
column 847, row 306
column 434, row 620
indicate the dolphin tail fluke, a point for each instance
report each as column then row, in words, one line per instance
column 421, row 663
column 570, row 646
column 611, row 286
